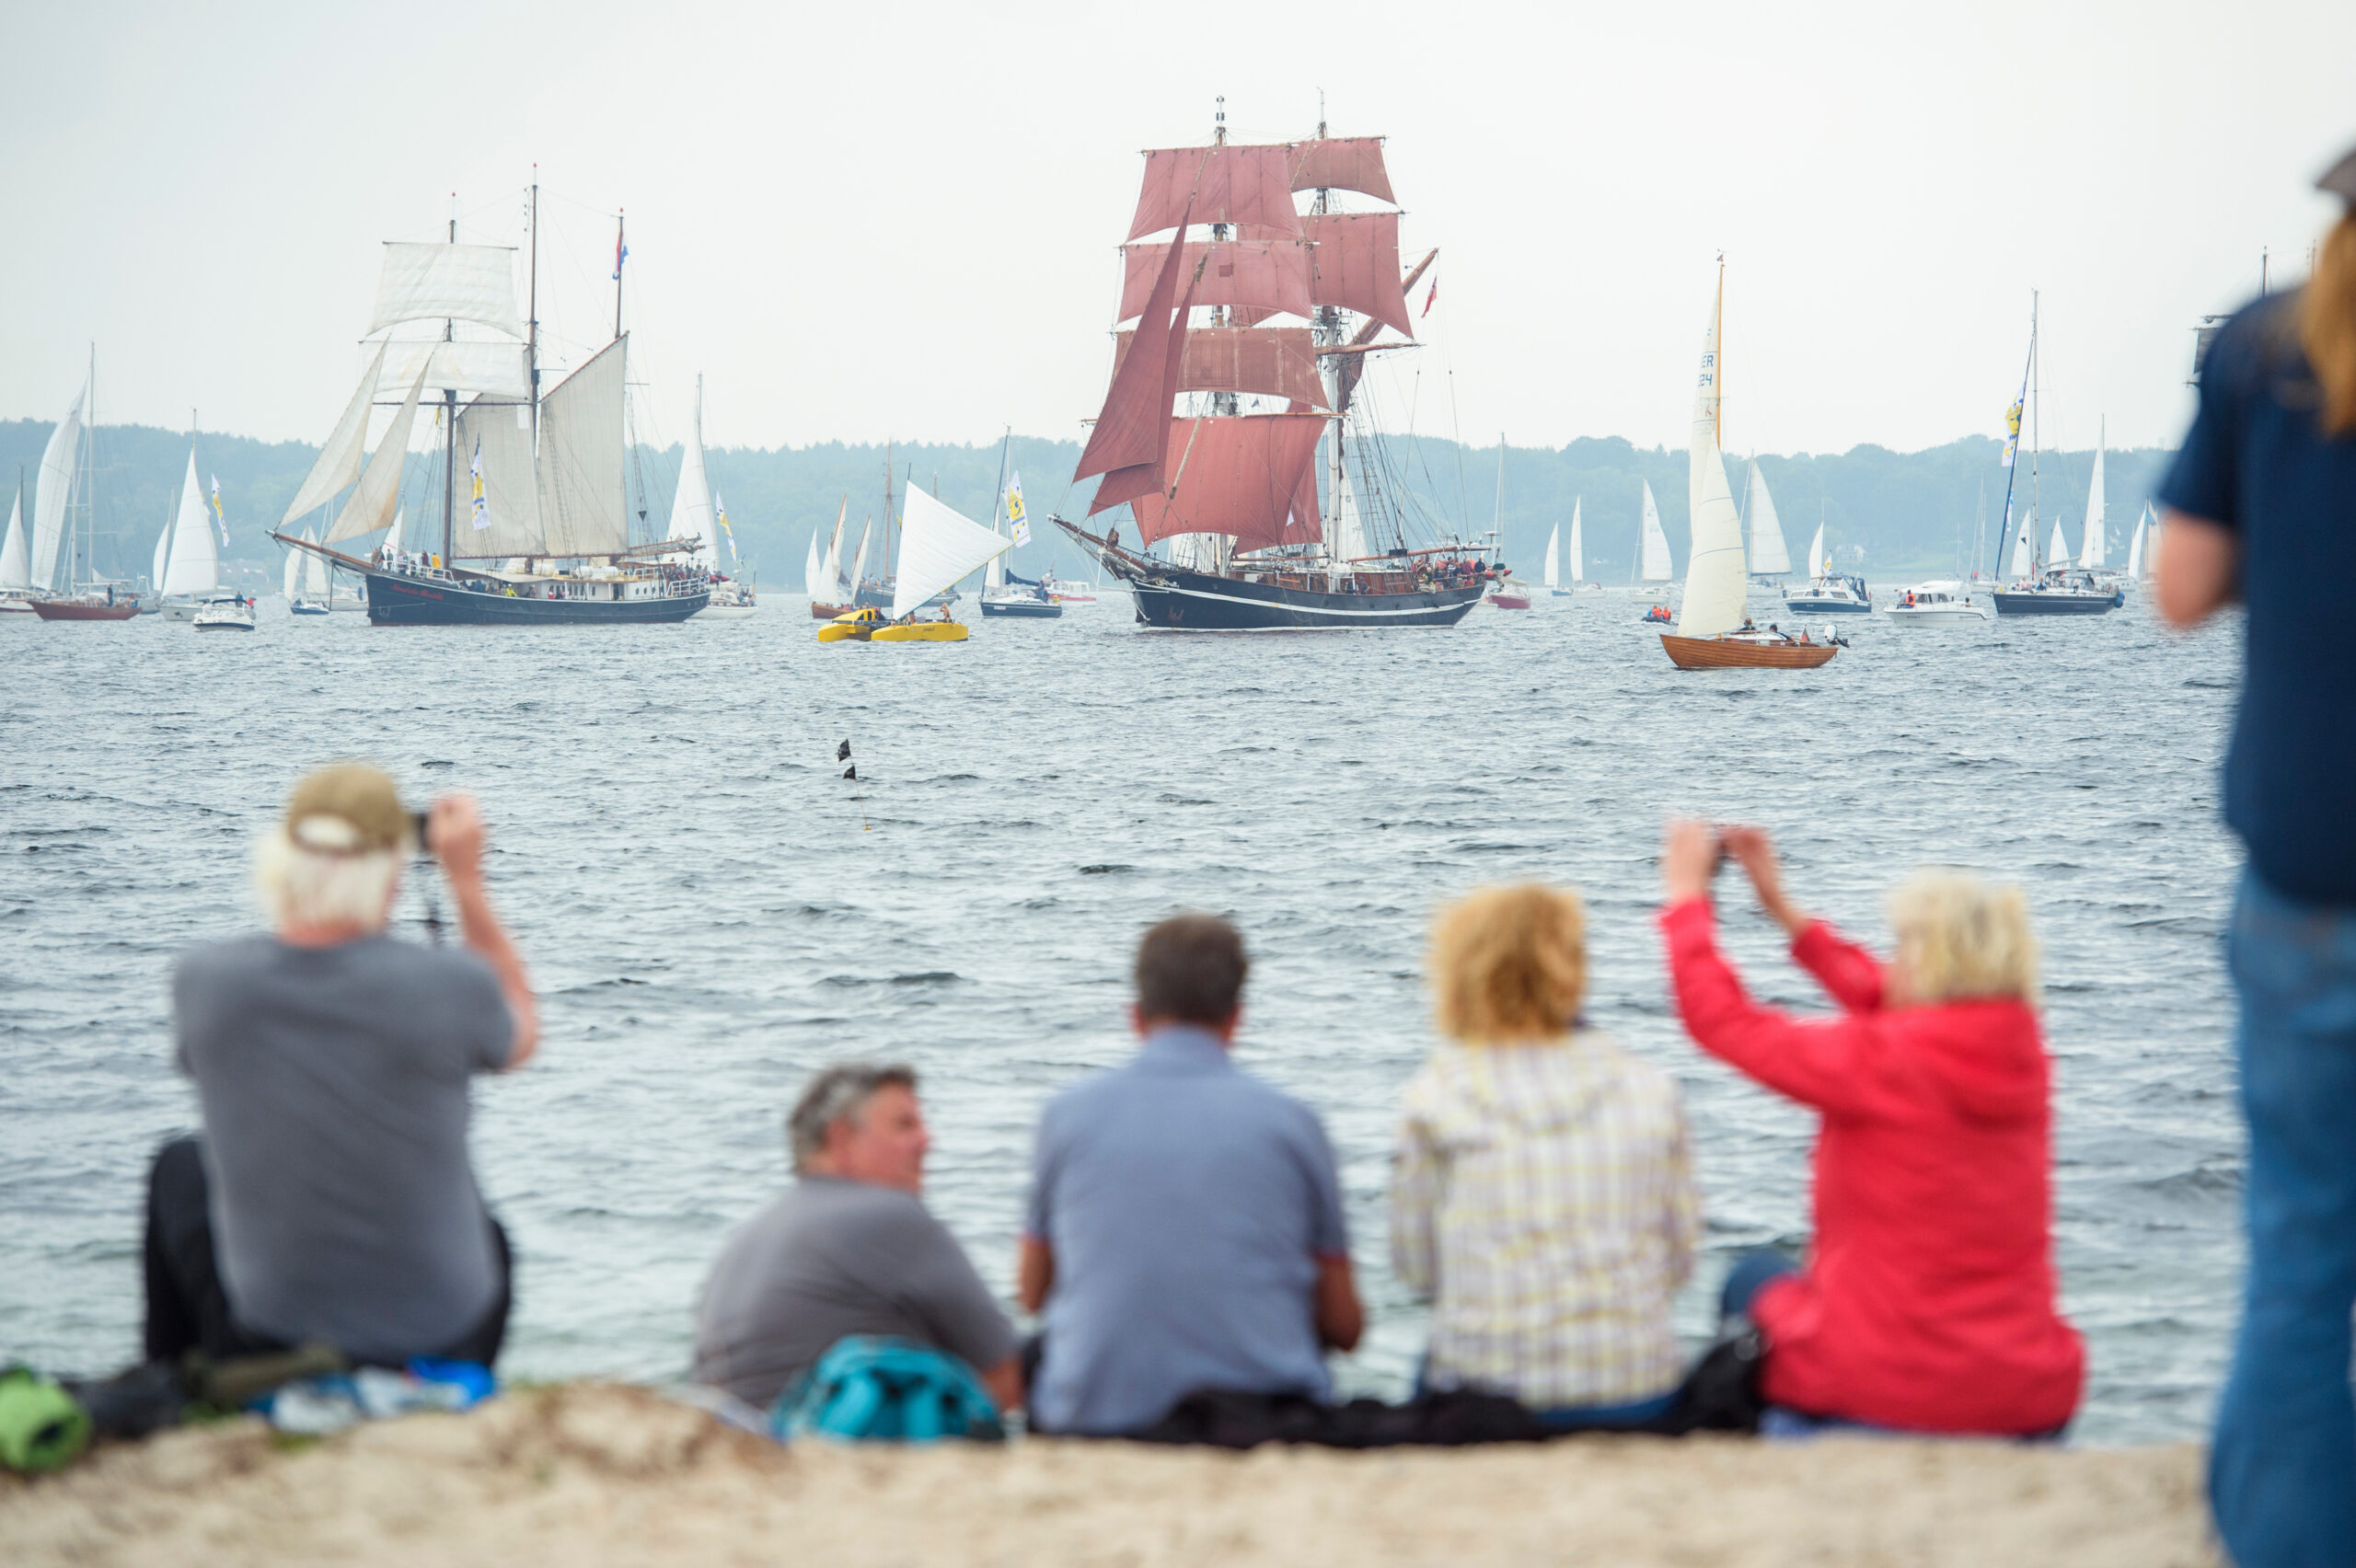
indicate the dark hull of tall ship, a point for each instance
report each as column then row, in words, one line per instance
column 398, row 599
column 2057, row 602
column 1171, row 599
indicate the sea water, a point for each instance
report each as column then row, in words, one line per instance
column 710, row 911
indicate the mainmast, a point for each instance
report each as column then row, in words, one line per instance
column 2037, row 410
column 1718, row 405
column 449, row 429
column 532, row 322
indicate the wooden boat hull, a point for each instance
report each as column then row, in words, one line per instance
column 1716, row 653
column 74, row 610
column 828, row 612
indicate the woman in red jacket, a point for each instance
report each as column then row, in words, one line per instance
column 1928, row 1298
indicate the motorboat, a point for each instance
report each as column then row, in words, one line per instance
column 1830, row 595
column 226, row 612
column 1938, row 604
column 1506, row 596
column 1022, row 599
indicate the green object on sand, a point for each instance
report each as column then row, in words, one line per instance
column 41, row 1427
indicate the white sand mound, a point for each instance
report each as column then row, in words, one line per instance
column 595, row 1474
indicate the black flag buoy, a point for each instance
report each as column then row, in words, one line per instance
column 842, row 752
column 851, row 772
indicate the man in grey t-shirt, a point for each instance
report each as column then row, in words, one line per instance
column 848, row 1249
column 332, row 1198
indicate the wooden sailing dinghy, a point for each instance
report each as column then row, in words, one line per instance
column 1711, row 626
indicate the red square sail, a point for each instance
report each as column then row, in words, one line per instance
column 1228, row 184
column 1271, row 274
column 1237, row 475
column 1280, row 361
column 1356, row 266
column 1342, row 162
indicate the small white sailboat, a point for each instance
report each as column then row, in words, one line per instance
column 2092, row 551
column 2138, row 547
column 693, row 516
column 15, row 563
column 829, row 595
column 937, row 546
column 1828, row 592
column 192, row 564
column 1769, row 562
column 1553, row 573
column 306, row 580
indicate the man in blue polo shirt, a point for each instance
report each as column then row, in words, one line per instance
column 1184, row 1230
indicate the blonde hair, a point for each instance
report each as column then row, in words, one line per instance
column 1510, row 964
column 302, row 886
column 2328, row 325
column 1961, row 938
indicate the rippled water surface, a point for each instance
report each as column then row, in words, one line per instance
column 710, row 912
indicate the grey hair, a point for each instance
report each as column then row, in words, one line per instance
column 838, row 1091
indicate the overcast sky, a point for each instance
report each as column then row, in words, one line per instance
column 901, row 220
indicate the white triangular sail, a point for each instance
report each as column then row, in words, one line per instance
column 52, row 491
column 162, row 555
column 1578, row 548
column 811, row 568
column 1657, row 565
column 1716, row 584
column 15, row 563
column 2156, row 523
column 1816, row 562
column 2018, row 567
column 833, row 574
column 316, row 582
column 1768, row 556
column 392, row 535
column 2057, row 548
column 379, row 494
column 859, row 562
column 937, row 546
column 291, row 580
column 691, row 515
column 1554, row 557
column 2135, row 546
column 2093, row 553
column 583, row 510
column 1344, row 535
column 194, row 565
column 338, row 467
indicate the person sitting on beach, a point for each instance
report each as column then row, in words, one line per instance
column 330, row 1197
column 1185, row 1231
column 1541, row 1190
column 1928, row 1301
column 848, row 1249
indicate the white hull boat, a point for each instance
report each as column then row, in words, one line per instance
column 1937, row 603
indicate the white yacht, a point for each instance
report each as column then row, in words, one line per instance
column 1938, row 604
column 226, row 612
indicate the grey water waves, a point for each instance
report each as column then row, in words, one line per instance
column 710, row 911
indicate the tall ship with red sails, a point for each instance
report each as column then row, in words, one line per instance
column 1215, row 428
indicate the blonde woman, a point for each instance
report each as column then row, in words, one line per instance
column 1541, row 1194
column 1927, row 1301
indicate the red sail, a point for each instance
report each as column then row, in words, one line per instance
column 1306, row 525
column 1238, row 474
column 1358, row 265
column 1133, row 428
column 1343, row 163
column 1280, row 361
column 1273, row 274
column 1225, row 185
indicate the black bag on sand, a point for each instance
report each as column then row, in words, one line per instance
column 1722, row 1393
column 155, row 1394
column 1224, row 1418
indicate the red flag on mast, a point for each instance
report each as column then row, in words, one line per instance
column 1428, row 298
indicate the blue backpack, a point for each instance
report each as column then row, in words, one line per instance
column 870, row 1389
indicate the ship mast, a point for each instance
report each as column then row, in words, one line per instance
column 449, row 429
column 2036, row 409
column 532, row 326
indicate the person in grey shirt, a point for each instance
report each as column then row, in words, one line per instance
column 1185, row 1231
column 330, row 1197
column 848, row 1249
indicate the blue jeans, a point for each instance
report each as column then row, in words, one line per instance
column 2282, row 1471
column 1751, row 1273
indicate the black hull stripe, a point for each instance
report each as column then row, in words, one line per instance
column 394, row 601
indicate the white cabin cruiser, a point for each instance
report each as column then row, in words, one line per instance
column 1938, row 604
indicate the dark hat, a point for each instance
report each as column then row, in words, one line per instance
column 2341, row 179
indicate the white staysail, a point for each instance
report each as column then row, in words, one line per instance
column 1344, row 536
column 1768, row 556
column 2019, row 565
column 691, row 515
column 15, row 565
column 811, row 568
column 163, row 556
column 1578, row 550
column 937, row 546
column 1554, row 557
column 2057, row 548
column 499, row 436
column 54, row 490
column 2135, row 546
column 379, row 494
column 315, row 574
column 291, row 580
column 338, row 467
column 2092, row 554
column 1716, row 584
column 834, row 568
column 1658, row 568
column 859, row 562
column 582, row 508
column 392, row 535
column 447, row 282
column 194, row 566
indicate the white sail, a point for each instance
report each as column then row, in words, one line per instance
column 447, row 282
column 1657, row 566
column 2093, row 553
column 582, row 507
column 338, row 467
column 494, row 369
column 2152, row 526
column 373, row 499
column 194, row 566
column 1344, row 535
column 162, row 555
column 811, row 568
column 1578, row 549
column 1554, row 557
column 16, row 564
column 834, row 568
column 291, row 582
column 2019, row 565
column 52, row 491
column 1768, row 556
column 392, row 535
column 1716, row 584
column 315, row 574
column 937, row 546
column 859, row 562
column 691, row 515
column 2057, row 548
column 994, row 576
column 1816, row 554
column 499, row 435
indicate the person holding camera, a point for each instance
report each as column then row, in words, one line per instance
column 1928, row 1301
column 330, row 1198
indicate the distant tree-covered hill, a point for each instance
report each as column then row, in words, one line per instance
column 1892, row 513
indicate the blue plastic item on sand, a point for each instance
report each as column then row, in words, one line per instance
column 879, row 1390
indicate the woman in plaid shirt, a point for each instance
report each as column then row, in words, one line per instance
column 1541, row 1193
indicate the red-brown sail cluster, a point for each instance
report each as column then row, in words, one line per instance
column 1253, row 476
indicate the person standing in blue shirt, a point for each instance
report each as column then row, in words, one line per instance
column 2262, row 508
column 1184, row 1230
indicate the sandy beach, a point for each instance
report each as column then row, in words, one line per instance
column 592, row 1473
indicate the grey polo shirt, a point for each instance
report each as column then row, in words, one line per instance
column 1187, row 1205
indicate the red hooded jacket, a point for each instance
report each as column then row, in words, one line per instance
column 1929, row 1299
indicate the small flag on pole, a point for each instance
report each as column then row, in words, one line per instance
column 1431, row 295
column 219, row 521
column 1015, row 515
column 621, row 254
column 720, row 510
column 481, row 507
